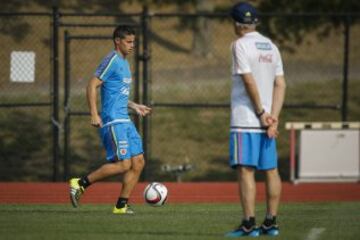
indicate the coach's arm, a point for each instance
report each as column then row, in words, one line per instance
column 277, row 104
column 91, row 95
column 278, row 96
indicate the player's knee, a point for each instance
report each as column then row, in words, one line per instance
column 127, row 165
column 123, row 166
column 272, row 173
column 245, row 171
column 138, row 163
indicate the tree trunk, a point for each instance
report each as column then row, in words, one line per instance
column 202, row 37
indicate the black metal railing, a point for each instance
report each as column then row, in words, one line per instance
column 156, row 75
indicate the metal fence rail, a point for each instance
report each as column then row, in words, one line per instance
column 187, row 86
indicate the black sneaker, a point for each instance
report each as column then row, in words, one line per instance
column 241, row 231
column 272, row 230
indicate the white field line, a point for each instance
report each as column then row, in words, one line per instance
column 314, row 233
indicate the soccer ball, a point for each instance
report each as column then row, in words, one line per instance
column 155, row 194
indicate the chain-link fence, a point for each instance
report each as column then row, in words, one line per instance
column 190, row 87
column 181, row 68
column 25, row 99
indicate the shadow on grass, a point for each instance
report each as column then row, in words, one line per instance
column 159, row 233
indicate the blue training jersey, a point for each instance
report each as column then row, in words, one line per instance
column 115, row 73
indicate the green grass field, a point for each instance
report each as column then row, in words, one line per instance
column 335, row 221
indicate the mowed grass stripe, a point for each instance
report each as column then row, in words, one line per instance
column 173, row 221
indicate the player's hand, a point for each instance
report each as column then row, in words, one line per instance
column 96, row 121
column 272, row 131
column 142, row 110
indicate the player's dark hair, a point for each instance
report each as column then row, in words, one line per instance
column 122, row 31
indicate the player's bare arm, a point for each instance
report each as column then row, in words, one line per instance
column 251, row 88
column 91, row 94
column 140, row 109
column 278, row 101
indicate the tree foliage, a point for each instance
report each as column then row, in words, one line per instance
column 297, row 18
column 283, row 28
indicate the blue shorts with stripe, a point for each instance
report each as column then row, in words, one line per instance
column 253, row 149
column 121, row 141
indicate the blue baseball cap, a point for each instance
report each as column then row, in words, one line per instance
column 244, row 13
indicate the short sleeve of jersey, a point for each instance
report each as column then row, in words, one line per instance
column 241, row 63
column 279, row 71
column 105, row 68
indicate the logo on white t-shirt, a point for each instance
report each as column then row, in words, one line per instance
column 265, row 58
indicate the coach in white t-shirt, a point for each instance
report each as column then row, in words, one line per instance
column 257, row 97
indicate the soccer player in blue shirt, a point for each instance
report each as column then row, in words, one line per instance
column 124, row 151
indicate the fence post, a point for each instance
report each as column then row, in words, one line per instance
column 145, row 99
column 292, row 154
column 137, row 79
column 55, row 92
column 66, row 103
column 344, row 102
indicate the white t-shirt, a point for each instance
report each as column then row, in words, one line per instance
column 253, row 53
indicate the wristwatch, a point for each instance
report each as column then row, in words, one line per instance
column 260, row 113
